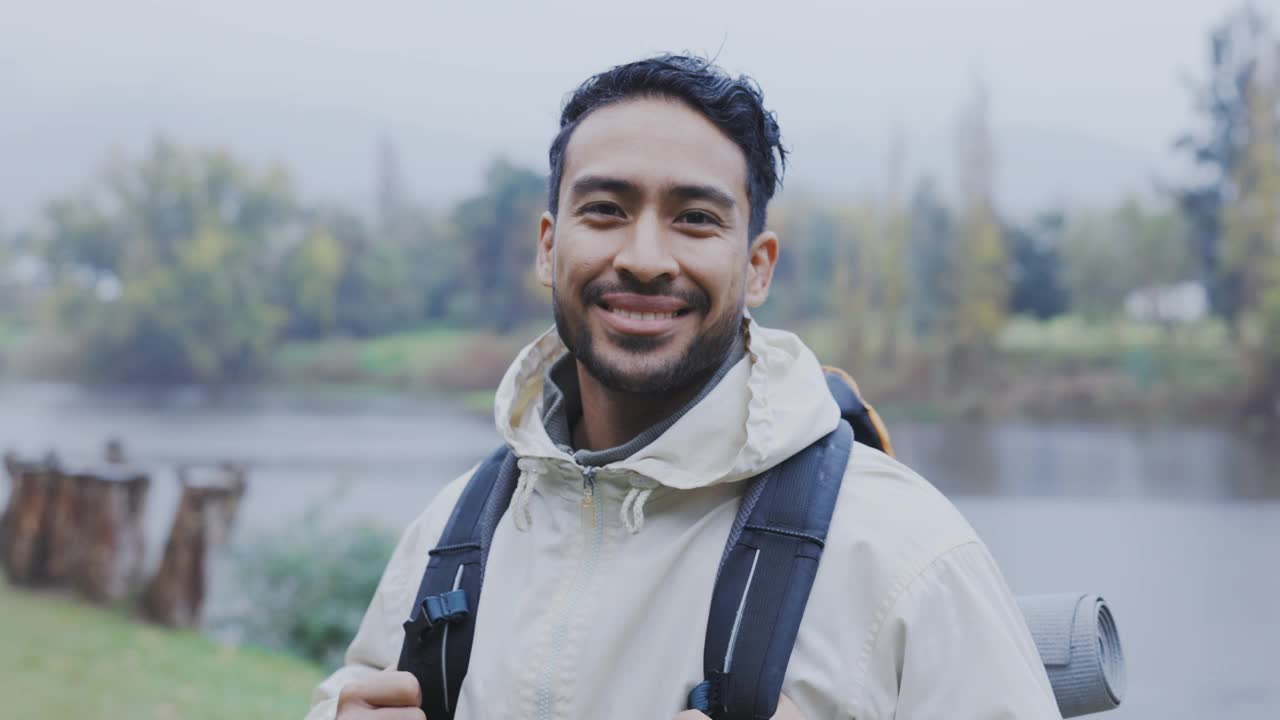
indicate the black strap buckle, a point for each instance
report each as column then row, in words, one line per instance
column 447, row 607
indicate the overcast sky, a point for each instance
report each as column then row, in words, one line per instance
column 1086, row 96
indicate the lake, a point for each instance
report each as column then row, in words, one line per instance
column 1178, row 527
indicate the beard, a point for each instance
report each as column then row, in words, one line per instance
column 707, row 351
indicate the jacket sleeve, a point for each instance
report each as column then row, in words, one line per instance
column 953, row 644
column 376, row 646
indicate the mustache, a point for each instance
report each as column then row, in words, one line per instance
column 593, row 293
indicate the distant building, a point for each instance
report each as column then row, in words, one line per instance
column 1185, row 302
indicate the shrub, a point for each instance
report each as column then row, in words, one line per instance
column 304, row 589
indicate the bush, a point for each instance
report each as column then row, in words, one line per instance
column 304, row 590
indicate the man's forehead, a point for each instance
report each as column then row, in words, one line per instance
column 654, row 143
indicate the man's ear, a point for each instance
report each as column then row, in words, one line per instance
column 762, row 258
column 546, row 249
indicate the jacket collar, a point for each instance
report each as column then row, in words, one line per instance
column 771, row 404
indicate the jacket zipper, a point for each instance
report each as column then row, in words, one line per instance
column 593, row 539
column 588, row 498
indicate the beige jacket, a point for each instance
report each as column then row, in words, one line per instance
column 597, row 607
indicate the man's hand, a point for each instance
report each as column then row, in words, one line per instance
column 386, row 696
column 787, row 710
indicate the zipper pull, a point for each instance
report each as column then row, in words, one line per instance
column 589, row 497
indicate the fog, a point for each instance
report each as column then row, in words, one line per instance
column 1086, row 97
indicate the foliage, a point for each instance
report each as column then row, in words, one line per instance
column 932, row 288
column 1241, row 48
column 310, row 584
column 1037, row 285
column 498, row 228
column 62, row 659
column 1236, row 212
column 308, row 283
column 187, row 265
column 980, row 262
column 1109, row 254
column 162, row 269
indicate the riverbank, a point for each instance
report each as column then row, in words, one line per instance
column 1064, row 369
column 61, row 659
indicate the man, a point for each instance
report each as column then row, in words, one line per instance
column 637, row 424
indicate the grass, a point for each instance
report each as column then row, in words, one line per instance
column 12, row 334
column 480, row 401
column 61, row 659
column 389, row 359
column 429, row 359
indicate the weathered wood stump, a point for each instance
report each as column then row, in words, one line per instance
column 80, row 529
column 108, row 548
column 24, row 526
column 201, row 524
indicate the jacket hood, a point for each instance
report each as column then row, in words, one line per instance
column 773, row 403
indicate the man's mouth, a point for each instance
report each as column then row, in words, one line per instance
column 633, row 314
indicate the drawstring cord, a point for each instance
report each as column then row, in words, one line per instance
column 530, row 473
column 632, row 510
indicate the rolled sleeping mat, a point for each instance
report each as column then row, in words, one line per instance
column 1078, row 643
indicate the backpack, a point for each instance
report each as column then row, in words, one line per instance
column 766, row 572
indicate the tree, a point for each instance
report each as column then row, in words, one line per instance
column 848, row 283
column 804, row 285
column 1107, row 255
column 375, row 290
column 1251, row 225
column 390, row 193
column 163, row 266
column 308, row 284
column 1237, row 48
column 1037, row 267
column 980, row 264
column 930, row 240
column 499, row 230
column 892, row 273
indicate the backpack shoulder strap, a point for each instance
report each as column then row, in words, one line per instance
column 441, row 625
column 765, row 579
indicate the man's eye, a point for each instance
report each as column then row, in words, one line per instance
column 698, row 217
column 602, row 208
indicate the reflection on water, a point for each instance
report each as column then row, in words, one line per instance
column 322, row 437
column 1054, row 460
column 1178, row 528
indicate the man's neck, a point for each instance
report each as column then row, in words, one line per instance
column 611, row 418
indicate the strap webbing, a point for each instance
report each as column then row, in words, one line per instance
column 757, row 604
column 764, row 582
column 440, row 629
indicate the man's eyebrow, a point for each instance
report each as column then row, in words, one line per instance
column 710, row 193
column 600, row 183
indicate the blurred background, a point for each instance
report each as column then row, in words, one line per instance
column 278, row 254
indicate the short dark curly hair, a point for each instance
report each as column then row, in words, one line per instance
column 735, row 105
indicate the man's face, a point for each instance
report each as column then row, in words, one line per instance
column 649, row 260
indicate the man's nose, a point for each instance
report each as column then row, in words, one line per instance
column 647, row 254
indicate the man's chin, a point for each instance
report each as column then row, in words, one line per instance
column 628, row 371
column 630, row 349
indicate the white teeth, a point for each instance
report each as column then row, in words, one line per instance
column 642, row 315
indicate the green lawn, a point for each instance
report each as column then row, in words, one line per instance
column 61, row 659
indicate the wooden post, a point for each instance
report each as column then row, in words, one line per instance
column 106, row 563
column 80, row 529
column 24, row 537
column 202, row 523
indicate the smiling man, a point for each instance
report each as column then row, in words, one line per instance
column 635, row 431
